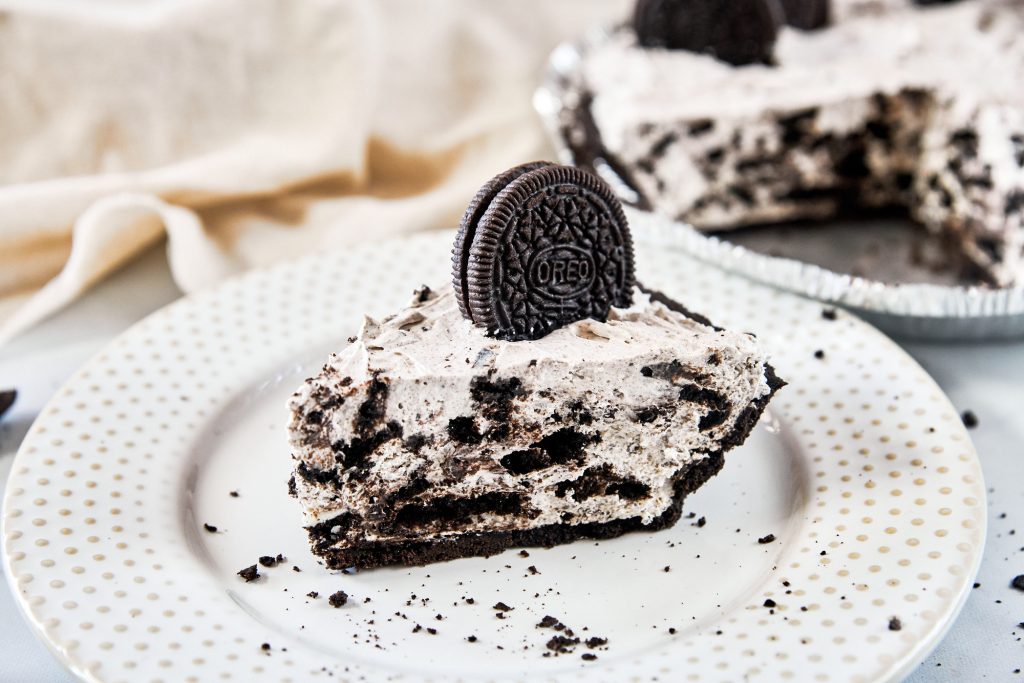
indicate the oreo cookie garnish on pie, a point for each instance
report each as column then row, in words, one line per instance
column 541, row 246
column 808, row 15
column 736, row 31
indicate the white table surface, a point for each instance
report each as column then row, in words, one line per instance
column 984, row 644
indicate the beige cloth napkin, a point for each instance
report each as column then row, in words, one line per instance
column 251, row 131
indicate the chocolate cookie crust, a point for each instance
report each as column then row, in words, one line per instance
column 371, row 554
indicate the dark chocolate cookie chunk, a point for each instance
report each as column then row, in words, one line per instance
column 542, row 246
column 7, row 399
column 737, row 31
column 467, row 227
column 808, row 15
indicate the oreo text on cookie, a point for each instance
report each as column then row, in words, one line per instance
column 562, row 271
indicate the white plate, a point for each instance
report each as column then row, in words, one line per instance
column 863, row 473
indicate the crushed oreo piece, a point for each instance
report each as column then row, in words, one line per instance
column 895, row 624
column 808, row 15
column 502, row 607
column 210, row 528
column 250, row 574
column 1018, row 582
column 7, row 399
column 338, row 599
column 970, row 420
column 562, row 644
column 551, row 622
column 770, row 538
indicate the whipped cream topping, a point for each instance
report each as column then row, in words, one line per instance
column 966, row 48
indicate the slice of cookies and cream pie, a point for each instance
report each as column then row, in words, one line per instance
column 542, row 399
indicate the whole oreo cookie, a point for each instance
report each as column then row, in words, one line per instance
column 808, row 15
column 541, row 246
column 736, row 31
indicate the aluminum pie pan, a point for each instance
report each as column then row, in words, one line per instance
column 911, row 309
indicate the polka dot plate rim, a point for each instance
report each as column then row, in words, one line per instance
column 856, row 508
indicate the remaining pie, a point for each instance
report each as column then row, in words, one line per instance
column 891, row 103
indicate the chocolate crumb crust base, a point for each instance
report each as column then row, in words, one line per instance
column 373, row 554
